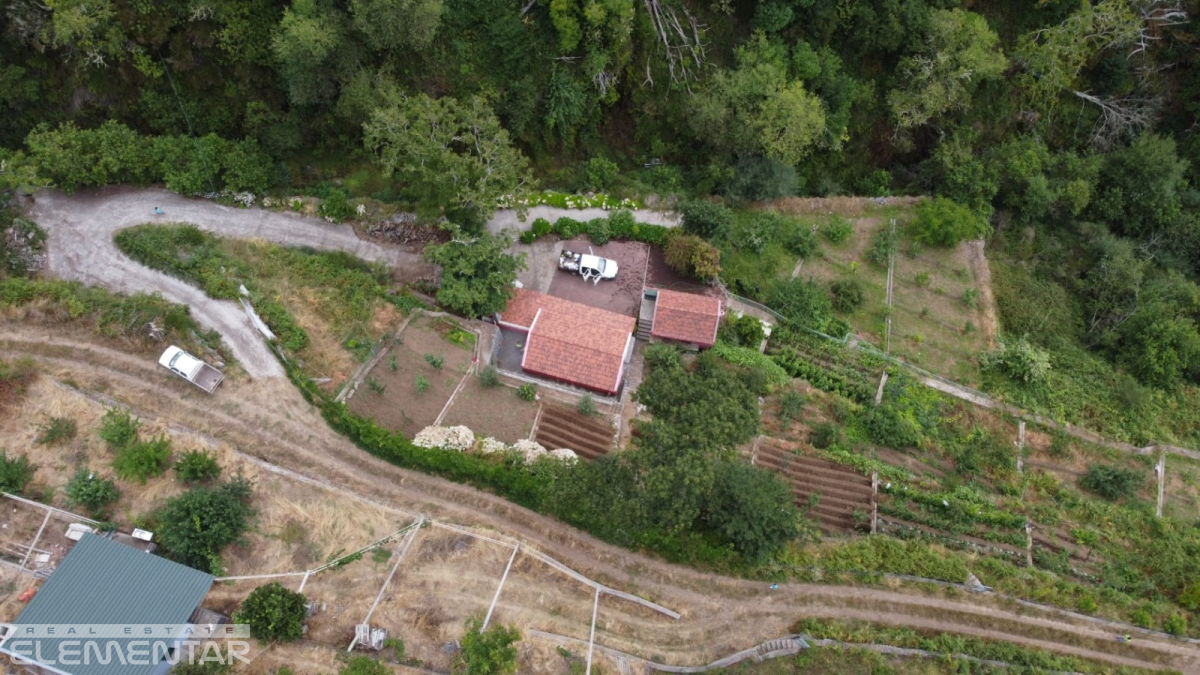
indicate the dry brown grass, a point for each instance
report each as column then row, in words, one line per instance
column 298, row 526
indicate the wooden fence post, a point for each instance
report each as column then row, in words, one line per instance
column 1161, row 470
column 874, row 501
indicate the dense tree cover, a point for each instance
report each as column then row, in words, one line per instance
column 477, row 274
column 273, row 613
column 683, row 480
column 194, row 526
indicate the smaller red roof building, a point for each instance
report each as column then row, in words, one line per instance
column 686, row 317
column 569, row 341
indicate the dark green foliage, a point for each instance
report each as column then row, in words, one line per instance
column 598, row 231
column 193, row 527
column 527, row 391
column 705, row 219
column 489, row 376
column 791, row 403
column 527, row 237
column 197, row 466
column 801, row 302
column 692, row 256
column 942, row 222
column 883, row 247
column 745, row 330
column 837, row 229
column 336, row 207
column 1112, row 482
column 477, row 275
column 801, row 240
column 92, row 493
column 118, row 428
column 141, row 460
column 761, row 178
column 824, row 434
column 15, row 473
column 435, row 360
column 542, row 227
column 847, row 295
column 586, row 405
column 59, row 429
column 752, row 508
column 273, row 613
column 491, row 652
column 599, row 173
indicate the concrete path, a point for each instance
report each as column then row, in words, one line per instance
column 506, row 219
column 81, row 229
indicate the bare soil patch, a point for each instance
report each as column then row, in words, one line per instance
column 400, row 406
column 623, row 294
column 497, row 412
column 843, row 496
column 563, row 427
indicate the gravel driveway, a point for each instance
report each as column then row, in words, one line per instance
column 81, row 228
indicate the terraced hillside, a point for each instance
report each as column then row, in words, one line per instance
column 562, row 427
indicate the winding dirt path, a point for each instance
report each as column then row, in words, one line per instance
column 269, row 419
column 81, row 228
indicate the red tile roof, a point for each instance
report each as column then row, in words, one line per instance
column 571, row 341
column 686, row 317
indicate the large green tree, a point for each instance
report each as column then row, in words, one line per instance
column 446, row 153
column 477, row 273
column 959, row 52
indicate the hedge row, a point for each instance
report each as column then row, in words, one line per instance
column 618, row 225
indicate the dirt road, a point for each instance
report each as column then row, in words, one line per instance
column 720, row 614
column 81, row 229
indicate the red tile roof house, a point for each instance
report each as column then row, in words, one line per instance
column 571, row 342
column 686, row 317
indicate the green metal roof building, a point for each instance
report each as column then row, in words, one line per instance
column 104, row 582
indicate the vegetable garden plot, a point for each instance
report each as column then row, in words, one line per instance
column 562, row 427
column 496, row 412
column 404, row 391
column 842, row 496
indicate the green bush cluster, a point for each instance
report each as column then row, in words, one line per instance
column 750, row 357
column 91, row 492
column 57, row 430
column 142, row 460
column 837, row 229
column 15, row 473
column 113, row 153
column 197, row 466
column 619, row 225
column 118, row 428
column 194, row 526
column 273, row 613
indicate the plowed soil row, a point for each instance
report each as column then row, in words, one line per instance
column 839, row 492
column 562, row 427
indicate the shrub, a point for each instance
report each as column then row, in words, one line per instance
column 598, row 231
column 376, row 386
column 144, row 459
column 1020, row 360
column 91, row 492
column 489, row 377
column 435, row 360
column 392, row 365
column 527, row 237
column 944, row 222
column 761, row 178
column 837, row 229
column 922, row 279
column 59, row 429
column 422, row 384
column 970, row 297
column 1111, row 482
column 567, row 227
column 621, row 224
column 1176, row 624
column 490, row 652
column 801, row 241
column 791, row 403
column 705, row 219
column 541, row 227
column 527, row 391
column 193, row 527
column 752, row 508
column 197, row 466
column 883, row 246
column 824, row 434
column 15, row 473
column 745, row 330
column 801, row 302
column 599, row 173
column 691, row 256
column 118, row 428
column 886, row 425
column 273, row 613
column 336, row 207
column 847, row 295
column 586, row 405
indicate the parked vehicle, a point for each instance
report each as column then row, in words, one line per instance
column 591, row 267
column 191, row 368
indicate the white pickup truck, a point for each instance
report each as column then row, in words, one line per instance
column 591, row 267
column 191, row 368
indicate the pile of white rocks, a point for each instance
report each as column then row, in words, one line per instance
column 449, row 438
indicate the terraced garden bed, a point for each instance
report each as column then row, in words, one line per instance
column 843, row 496
column 563, row 427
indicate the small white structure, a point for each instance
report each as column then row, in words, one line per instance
column 369, row 637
